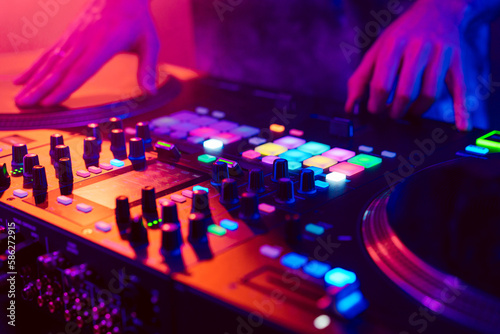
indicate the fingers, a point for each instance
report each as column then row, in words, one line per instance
column 384, row 74
column 358, row 82
column 415, row 57
column 148, row 60
column 24, row 77
column 456, row 85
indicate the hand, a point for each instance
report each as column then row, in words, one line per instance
column 104, row 29
column 423, row 48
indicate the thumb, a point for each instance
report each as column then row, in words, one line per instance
column 148, row 61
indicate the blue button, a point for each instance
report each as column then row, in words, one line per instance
column 316, row 170
column 117, row 163
column 293, row 260
column 256, row 141
column 321, row 184
column 477, row 149
column 229, row 224
column 316, row 269
column 294, row 165
column 245, row 131
column 200, row 188
column 340, row 277
column 364, row 148
column 315, row 229
column 314, row 148
column 20, row 193
column 295, row 155
column 103, row 226
column 388, row 154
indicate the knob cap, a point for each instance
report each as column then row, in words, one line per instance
column 249, row 206
column 293, row 229
column 256, row 181
column 229, row 192
column 137, row 233
column 280, row 169
column 55, row 139
column 65, row 172
column 285, row 193
column 169, row 213
column 29, row 161
column 122, row 213
column 91, row 151
column 197, row 227
column 39, row 179
column 118, row 147
column 148, row 200
column 60, row 151
column 18, row 153
column 219, row 172
column 200, row 203
column 137, row 153
column 115, row 123
column 171, row 238
column 167, row 151
column 142, row 131
column 92, row 130
column 307, row 185
column 4, row 178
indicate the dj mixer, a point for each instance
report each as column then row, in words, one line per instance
column 231, row 210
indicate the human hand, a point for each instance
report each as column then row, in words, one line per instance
column 105, row 28
column 422, row 47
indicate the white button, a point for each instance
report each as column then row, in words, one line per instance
column 95, row 170
column 187, row 193
column 103, row 226
column 64, row 200
column 267, row 208
column 178, row 198
column 218, row 114
column 84, row 207
column 201, row 110
column 82, row 173
column 105, row 166
column 20, row 193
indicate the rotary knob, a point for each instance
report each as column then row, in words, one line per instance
column 307, row 185
column 115, row 123
column 55, row 139
column 4, row 178
column 169, row 213
column 92, row 130
column 280, row 169
column 148, row 202
column 122, row 213
column 219, row 172
column 249, row 206
column 137, row 153
column 197, row 227
column 30, row 160
column 137, row 233
column 171, row 238
column 18, row 153
column 65, row 172
column 200, row 203
column 285, row 193
column 142, row 131
column 229, row 192
column 118, row 147
column 91, row 151
column 39, row 179
column 60, row 151
column 255, row 181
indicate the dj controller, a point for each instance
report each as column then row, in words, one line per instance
column 234, row 209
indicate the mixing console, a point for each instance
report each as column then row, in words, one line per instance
column 231, row 210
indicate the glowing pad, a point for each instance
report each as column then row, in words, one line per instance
column 296, row 133
column 295, row 155
column 313, row 148
column 223, row 126
column 293, row 260
column 256, row 141
column 276, row 128
column 294, row 165
column 320, row 162
column 477, row 149
column 204, row 132
column 216, row 229
column 228, row 224
column 227, row 138
column 245, row 131
column 347, row 168
column 316, row 269
column 339, row 154
column 491, row 140
column 206, row 158
column 290, row 142
column 365, row 160
column 213, row 144
column 335, row 177
column 250, row 154
column 269, row 160
column 270, row 149
column 340, row 277
column 117, row 163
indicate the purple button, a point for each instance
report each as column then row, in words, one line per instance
column 184, row 127
column 270, row 251
column 179, row 134
column 184, row 115
column 203, row 120
column 224, row 126
column 245, row 131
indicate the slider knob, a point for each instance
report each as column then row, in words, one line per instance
column 219, row 172
column 256, row 181
column 197, row 227
column 280, row 169
column 249, row 206
column 91, row 151
column 118, row 147
column 171, row 238
column 285, row 193
column 229, row 192
column 307, row 185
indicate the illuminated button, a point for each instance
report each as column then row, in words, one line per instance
column 83, row 207
column 272, row 252
column 202, row 110
column 206, row 158
column 267, row 208
column 161, row 130
column 105, row 166
column 184, row 115
column 204, row 132
column 20, row 193
column 163, row 122
column 117, row 163
column 340, row 277
column 347, row 168
column 321, row 184
column 64, row 200
column 213, row 144
column 315, row 229
column 230, row 163
column 366, row 149
column 388, row 154
column 245, row 131
column 295, row 155
column 200, row 188
column 344, row 238
column 477, row 149
column 290, row 142
column 95, row 170
column 313, row 148
column 365, row 160
column 320, row 162
column 216, row 229
column 187, row 193
column 322, row 321
column 223, row 126
column 270, row 149
column 179, row 134
column 335, row 177
column 229, row 224
column 351, row 305
column 296, row 133
column 256, row 141
column 218, row 114
column 277, row 128
column 195, row 140
column 339, row 154
column 316, row 269
column 103, row 226
column 294, row 165
column 293, row 260
column 203, row 120
column 226, row 137
column 184, row 127
column 83, row 173
column 250, row 154
column 491, row 140
column 316, row 170
column 269, row 160
column 178, row 198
